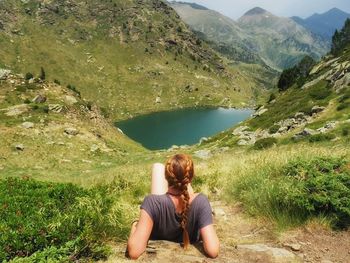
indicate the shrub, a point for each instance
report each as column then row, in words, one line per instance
column 73, row 88
column 29, row 76
column 299, row 191
column 265, row 143
column 320, row 92
column 322, row 137
column 45, row 109
column 57, row 81
column 42, row 75
column 27, row 101
column 54, row 221
column 345, row 131
column 272, row 97
column 274, row 129
column 343, row 106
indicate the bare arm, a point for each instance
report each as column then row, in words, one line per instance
column 139, row 235
column 210, row 241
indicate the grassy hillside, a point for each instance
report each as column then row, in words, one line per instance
column 117, row 54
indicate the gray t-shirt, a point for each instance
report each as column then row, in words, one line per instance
column 166, row 222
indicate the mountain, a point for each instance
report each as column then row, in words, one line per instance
column 257, row 37
column 280, row 41
column 224, row 33
column 324, row 24
column 130, row 57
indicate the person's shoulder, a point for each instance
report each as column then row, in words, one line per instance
column 155, row 198
column 201, row 199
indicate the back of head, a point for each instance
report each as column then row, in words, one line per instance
column 179, row 172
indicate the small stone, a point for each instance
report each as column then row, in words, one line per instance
column 70, row 100
column 217, row 211
column 27, row 125
column 71, row 131
column 39, row 99
column 203, row 154
column 94, row 148
column 317, row 109
column 19, row 147
column 242, row 142
column 158, row 100
column 294, row 246
column 202, row 140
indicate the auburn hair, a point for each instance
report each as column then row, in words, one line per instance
column 179, row 173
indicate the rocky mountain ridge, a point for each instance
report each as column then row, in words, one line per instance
column 257, row 32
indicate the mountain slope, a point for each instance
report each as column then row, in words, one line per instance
column 117, row 53
column 324, row 24
column 257, row 37
column 280, row 41
column 224, row 32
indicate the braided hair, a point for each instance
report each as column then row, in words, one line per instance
column 179, row 173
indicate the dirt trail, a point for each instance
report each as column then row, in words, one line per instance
column 245, row 240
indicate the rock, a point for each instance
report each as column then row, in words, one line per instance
column 158, row 100
column 57, row 108
column 27, row 125
column 94, row 148
column 278, row 254
column 239, row 130
column 217, row 211
column 307, row 132
column 317, row 109
column 70, row 100
column 17, row 110
column 331, row 125
column 19, row 147
column 39, row 99
column 260, row 112
column 299, row 115
column 242, row 142
column 4, row 73
column 71, row 131
column 202, row 140
column 283, row 129
column 203, row 154
column 293, row 246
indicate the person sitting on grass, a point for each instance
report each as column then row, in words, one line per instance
column 173, row 212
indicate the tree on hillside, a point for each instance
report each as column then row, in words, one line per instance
column 296, row 74
column 341, row 39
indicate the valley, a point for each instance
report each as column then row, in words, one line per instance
column 71, row 181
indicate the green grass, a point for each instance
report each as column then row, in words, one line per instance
column 297, row 192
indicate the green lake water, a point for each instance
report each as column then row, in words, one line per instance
column 161, row 130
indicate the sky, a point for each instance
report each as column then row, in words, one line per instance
column 302, row 8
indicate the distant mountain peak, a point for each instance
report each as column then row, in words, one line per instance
column 256, row 11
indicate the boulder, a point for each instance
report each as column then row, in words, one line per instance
column 202, row 140
column 242, row 142
column 308, row 132
column 19, row 147
column 260, row 112
column 17, row 110
column 39, row 99
column 293, row 246
column 317, row 109
column 70, row 100
column 4, row 73
column 278, row 254
column 239, row 130
column 300, row 115
column 57, row 108
column 203, row 154
column 71, row 131
column 27, row 125
column 158, row 100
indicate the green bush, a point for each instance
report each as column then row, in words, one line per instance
column 298, row 191
column 73, row 88
column 264, row 143
column 274, row 129
column 272, row 97
column 343, row 106
column 53, row 221
column 346, row 131
column 320, row 93
column 29, row 76
column 322, row 137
